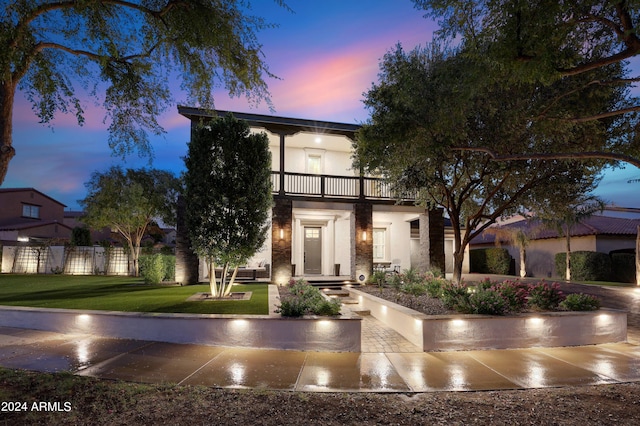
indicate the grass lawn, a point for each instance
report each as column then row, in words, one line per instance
column 122, row 294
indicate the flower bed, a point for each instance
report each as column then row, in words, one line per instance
column 471, row 332
column 490, row 315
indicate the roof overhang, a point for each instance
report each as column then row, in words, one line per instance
column 275, row 124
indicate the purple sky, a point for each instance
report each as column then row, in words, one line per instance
column 326, row 55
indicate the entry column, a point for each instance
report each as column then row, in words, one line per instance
column 281, row 221
column 362, row 241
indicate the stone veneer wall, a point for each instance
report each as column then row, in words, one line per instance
column 282, row 218
column 363, row 248
column 186, row 259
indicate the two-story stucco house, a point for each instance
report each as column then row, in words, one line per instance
column 329, row 220
column 27, row 214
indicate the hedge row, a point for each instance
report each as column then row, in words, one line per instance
column 594, row 266
column 491, row 261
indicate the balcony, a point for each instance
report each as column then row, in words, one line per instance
column 336, row 188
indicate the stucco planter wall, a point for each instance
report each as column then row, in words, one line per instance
column 256, row 331
column 468, row 332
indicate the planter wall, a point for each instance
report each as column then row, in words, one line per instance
column 256, row 331
column 469, row 332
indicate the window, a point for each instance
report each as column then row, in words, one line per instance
column 29, row 210
column 379, row 244
column 312, row 233
column 314, row 164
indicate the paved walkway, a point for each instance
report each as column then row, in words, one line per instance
column 387, row 363
column 400, row 371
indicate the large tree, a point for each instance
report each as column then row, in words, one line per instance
column 429, row 101
column 553, row 43
column 128, row 201
column 131, row 49
column 228, row 194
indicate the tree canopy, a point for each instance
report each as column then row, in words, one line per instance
column 131, row 49
column 128, row 201
column 558, row 44
column 432, row 107
column 228, row 194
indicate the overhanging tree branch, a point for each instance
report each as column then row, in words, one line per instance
column 588, row 155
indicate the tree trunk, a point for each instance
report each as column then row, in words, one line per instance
column 568, row 257
column 7, row 92
column 458, row 260
column 227, row 290
column 638, row 256
column 212, row 278
column 523, row 262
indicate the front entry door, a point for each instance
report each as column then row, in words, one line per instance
column 312, row 250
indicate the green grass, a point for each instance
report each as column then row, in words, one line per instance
column 122, row 294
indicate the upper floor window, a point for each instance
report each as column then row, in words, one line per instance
column 314, row 164
column 29, row 210
column 315, row 161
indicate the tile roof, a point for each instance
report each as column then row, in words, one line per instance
column 595, row 225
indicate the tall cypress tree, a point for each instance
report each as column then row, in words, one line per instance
column 228, row 195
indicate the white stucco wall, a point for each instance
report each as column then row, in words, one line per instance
column 398, row 227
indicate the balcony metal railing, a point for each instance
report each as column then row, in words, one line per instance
column 328, row 186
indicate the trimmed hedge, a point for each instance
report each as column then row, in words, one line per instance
column 155, row 268
column 585, row 266
column 623, row 267
column 490, row 261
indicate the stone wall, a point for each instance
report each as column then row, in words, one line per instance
column 281, row 247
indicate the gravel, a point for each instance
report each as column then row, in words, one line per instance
column 425, row 304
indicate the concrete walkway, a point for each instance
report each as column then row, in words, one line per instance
column 387, row 363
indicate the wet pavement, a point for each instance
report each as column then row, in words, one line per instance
column 387, row 363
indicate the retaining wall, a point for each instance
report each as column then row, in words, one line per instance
column 469, row 332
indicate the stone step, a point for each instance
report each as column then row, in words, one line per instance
column 348, row 301
column 363, row 313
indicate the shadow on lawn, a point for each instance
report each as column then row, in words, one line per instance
column 76, row 292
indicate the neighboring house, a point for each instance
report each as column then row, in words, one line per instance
column 27, row 214
column 327, row 218
column 73, row 219
column 602, row 234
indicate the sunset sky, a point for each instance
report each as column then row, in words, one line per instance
column 326, row 55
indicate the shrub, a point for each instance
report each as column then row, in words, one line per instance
column 623, row 267
column 434, row 287
column 486, row 284
column 545, row 296
column 304, row 299
column 152, row 268
column 455, row 296
column 478, row 261
column 580, row 302
column 169, row 267
column 327, row 307
column 412, row 282
column 498, row 261
column 486, row 302
column 156, row 268
column 514, row 293
column 395, row 281
column 292, row 307
column 414, row 288
column 490, row 261
column 585, row 266
column 378, row 278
